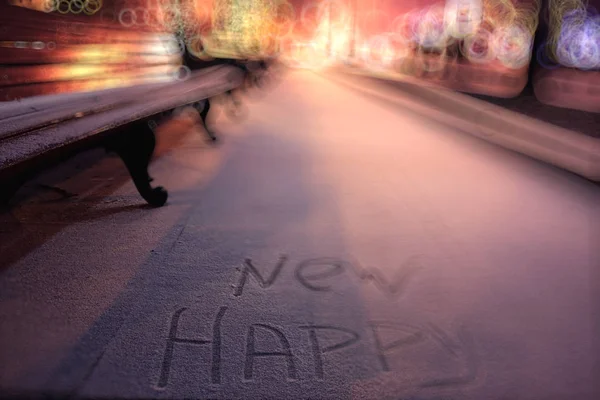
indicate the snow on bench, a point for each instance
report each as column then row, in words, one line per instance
column 48, row 125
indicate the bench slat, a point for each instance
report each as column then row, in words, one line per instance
column 22, row 110
column 142, row 103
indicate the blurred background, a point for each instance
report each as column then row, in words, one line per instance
column 488, row 47
column 359, row 152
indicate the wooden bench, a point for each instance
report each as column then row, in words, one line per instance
column 43, row 129
column 72, row 82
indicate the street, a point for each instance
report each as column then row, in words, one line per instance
column 330, row 247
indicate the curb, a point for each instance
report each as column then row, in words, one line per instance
column 575, row 152
column 567, row 88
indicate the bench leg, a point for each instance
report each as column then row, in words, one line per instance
column 136, row 148
column 203, row 111
column 235, row 109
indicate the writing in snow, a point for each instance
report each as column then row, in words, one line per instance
column 384, row 338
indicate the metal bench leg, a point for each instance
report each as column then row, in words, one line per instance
column 235, row 108
column 136, row 148
column 203, row 111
